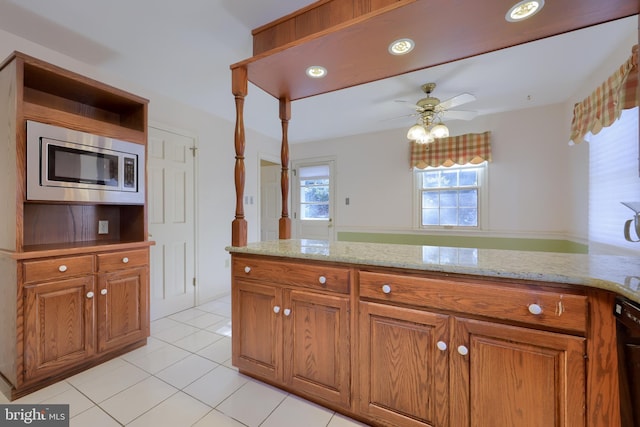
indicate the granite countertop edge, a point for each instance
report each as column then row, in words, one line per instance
column 618, row 274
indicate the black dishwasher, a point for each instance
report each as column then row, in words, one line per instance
column 628, row 328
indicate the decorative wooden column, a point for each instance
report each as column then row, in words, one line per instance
column 239, row 84
column 284, row 224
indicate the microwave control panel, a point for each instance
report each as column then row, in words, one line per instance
column 129, row 172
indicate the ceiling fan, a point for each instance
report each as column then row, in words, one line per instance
column 432, row 111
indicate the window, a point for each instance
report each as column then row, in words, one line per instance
column 314, row 192
column 450, row 196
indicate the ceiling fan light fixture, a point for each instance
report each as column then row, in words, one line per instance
column 316, row 71
column 401, row 46
column 524, row 9
column 439, row 131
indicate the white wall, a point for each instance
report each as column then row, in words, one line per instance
column 527, row 178
column 215, row 163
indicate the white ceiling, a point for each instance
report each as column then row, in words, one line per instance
column 183, row 50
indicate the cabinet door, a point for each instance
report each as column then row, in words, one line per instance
column 505, row 376
column 58, row 325
column 257, row 329
column 317, row 357
column 404, row 366
column 123, row 310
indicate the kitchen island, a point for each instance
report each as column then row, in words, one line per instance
column 433, row 336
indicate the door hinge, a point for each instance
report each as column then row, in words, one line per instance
column 194, row 282
column 193, row 150
column 295, row 172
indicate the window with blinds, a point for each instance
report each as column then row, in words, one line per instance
column 613, row 178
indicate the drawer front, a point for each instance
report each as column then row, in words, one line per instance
column 57, row 268
column 528, row 305
column 315, row 276
column 124, row 259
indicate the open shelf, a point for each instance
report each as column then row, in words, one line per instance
column 63, row 91
column 47, row 224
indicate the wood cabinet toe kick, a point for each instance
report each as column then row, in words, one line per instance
column 400, row 347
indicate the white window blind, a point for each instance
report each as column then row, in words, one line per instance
column 613, row 178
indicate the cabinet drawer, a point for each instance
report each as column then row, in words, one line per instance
column 57, row 268
column 524, row 304
column 295, row 274
column 124, row 259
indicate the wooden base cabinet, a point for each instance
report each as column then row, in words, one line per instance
column 427, row 369
column 296, row 338
column 504, row 376
column 425, row 349
column 403, row 374
column 59, row 325
column 122, row 309
column 299, row 339
column 79, row 309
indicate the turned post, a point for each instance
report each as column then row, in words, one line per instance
column 284, row 225
column 239, row 84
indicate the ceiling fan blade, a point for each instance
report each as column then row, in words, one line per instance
column 407, row 104
column 458, row 115
column 463, row 98
column 400, row 117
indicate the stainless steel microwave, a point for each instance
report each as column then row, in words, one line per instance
column 74, row 166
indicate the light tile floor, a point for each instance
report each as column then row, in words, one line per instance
column 182, row 377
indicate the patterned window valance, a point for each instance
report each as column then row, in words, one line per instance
column 605, row 104
column 469, row 148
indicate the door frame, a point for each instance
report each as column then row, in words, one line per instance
column 272, row 159
column 193, row 136
column 295, row 192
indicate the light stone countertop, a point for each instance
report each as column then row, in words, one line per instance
column 620, row 274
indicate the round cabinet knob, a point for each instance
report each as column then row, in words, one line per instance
column 276, row 309
column 103, row 292
column 535, row 309
column 386, row 289
column 463, row 350
column 62, row 268
column 442, row 346
column 287, row 311
column 125, row 260
column 89, row 295
column 322, row 280
column 247, row 269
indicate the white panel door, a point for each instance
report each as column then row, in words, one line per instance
column 270, row 201
column 171, row 221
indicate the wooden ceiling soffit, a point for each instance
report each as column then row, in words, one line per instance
column 354, row 49
column 320, row 16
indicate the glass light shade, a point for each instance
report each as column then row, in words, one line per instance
column 524, row 9
column 416, row 132
column 440, row 131
column 427, row 139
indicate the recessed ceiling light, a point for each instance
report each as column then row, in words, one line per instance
column 524, row 9
column 401, row 47
column 316, row 71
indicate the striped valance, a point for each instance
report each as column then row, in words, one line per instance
column 606, row 103
column 469, row 148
